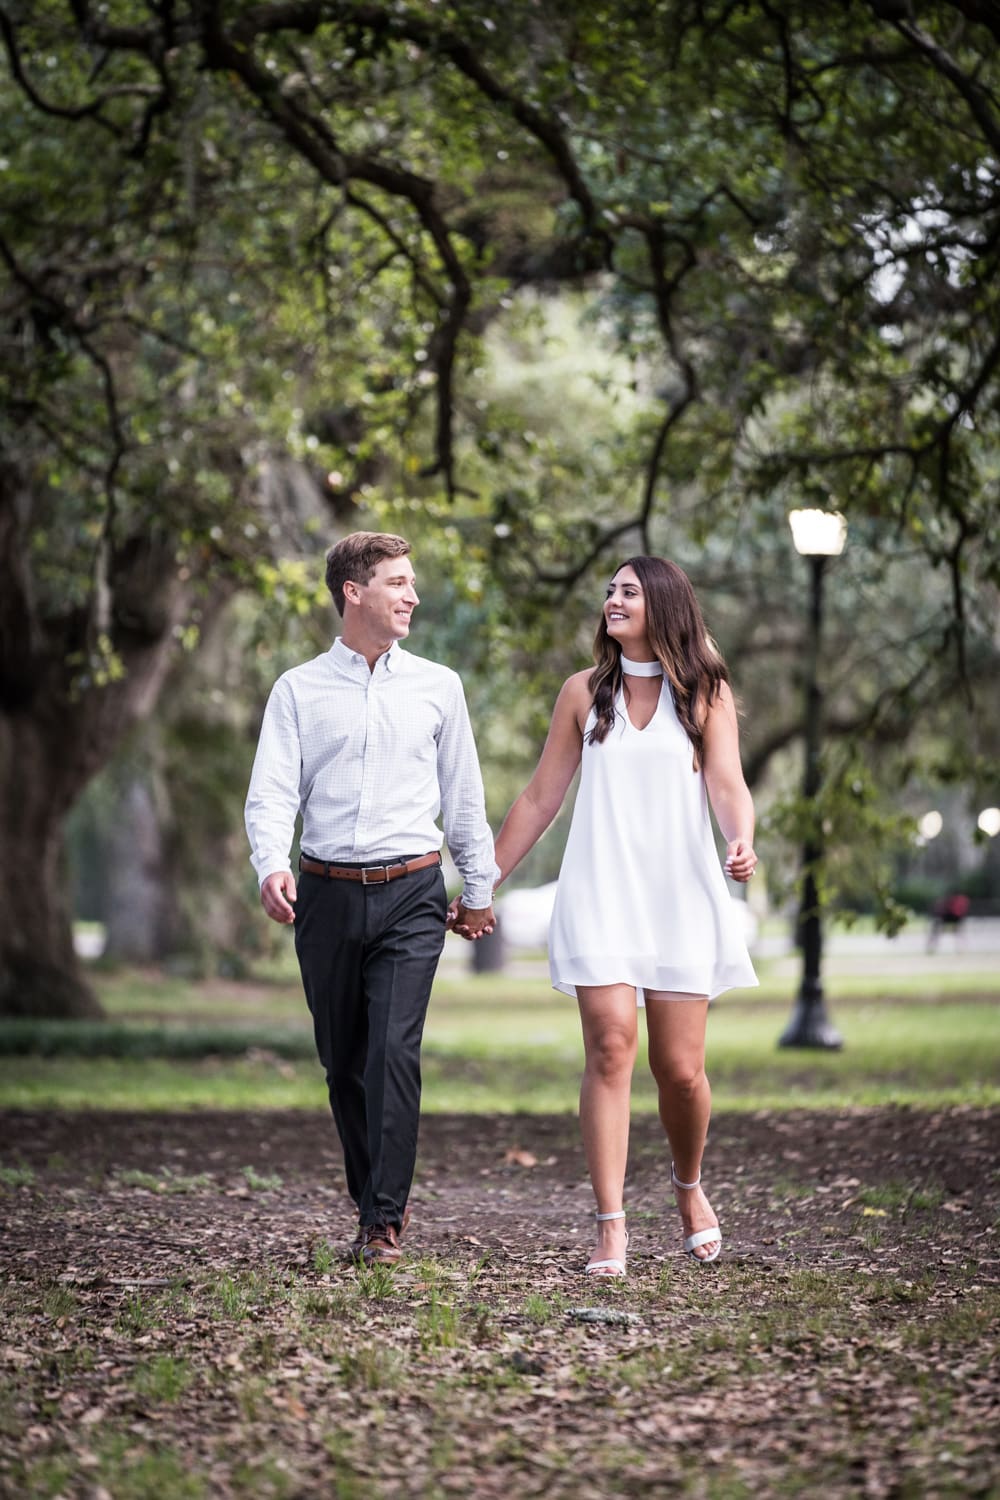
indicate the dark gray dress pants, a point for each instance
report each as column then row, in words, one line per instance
column 368, row 954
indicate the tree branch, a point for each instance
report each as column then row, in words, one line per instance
column 403, row 25
column 566, row 581
column 974, row 95
column 91, row 111
column 64, row 317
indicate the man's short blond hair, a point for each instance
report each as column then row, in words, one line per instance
column 354, row 559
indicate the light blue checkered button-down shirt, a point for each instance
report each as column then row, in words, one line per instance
column 371, row 758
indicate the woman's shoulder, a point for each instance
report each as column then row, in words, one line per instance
column 722, row 702
column 576, row 689
column 575, row 698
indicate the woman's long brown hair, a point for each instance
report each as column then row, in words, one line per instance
column 676, row 631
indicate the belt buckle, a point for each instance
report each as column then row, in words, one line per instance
column 371, row 870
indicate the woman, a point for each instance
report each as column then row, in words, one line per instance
column 642, row 911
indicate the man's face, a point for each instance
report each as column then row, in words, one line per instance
column 387, row 600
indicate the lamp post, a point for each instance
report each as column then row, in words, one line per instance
column 818, row 535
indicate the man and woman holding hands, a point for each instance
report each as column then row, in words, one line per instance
column 370, row 744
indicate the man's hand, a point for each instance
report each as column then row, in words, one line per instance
column 470, row 922
column 276, row 894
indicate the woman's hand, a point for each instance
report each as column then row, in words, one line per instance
column 741, row 861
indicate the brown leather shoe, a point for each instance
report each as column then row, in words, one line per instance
column 360, row 1240
column 381, row 1247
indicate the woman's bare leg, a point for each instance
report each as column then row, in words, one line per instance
column 676, row 1027
column 610, row 1037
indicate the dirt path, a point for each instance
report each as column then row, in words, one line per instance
column 175, row 1305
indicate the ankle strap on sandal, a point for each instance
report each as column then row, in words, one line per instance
column 677, row 1182
column 619, row 1213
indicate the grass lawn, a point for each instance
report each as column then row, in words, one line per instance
column 498, row 1044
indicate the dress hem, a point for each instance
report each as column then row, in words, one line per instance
column 711, row 991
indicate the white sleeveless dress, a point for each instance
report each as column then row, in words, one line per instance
column 642, row 898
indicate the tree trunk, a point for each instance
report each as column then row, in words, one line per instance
column 78, row 669
column 40, row 974
column 140, row 921
column 60, row 722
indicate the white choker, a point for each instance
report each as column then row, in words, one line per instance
column 641, row 668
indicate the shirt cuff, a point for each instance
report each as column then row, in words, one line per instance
column 477, row 893
column 270, row 865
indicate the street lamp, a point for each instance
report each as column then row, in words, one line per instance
column 818, row 535
column 929, row 826
column 988, row 822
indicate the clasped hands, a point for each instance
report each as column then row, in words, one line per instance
column 470, row 922
column 278, row 894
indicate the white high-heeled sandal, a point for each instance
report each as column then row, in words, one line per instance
column 702, row 1236
column 613, row 1266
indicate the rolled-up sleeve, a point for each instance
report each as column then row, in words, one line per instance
column 273, row 798
column 463, row 803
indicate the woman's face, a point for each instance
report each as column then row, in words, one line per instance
column 625, row 609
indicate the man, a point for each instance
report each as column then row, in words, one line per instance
column 370, row 743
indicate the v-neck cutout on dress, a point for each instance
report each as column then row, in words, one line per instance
column 641, row 729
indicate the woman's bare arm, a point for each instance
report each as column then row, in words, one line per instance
column 727, row 789
column 533, row 811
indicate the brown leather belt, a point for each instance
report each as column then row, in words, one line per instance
column 369, row 874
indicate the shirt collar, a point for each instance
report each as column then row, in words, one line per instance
column 390, row 661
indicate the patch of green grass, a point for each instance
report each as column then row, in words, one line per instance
column 163, row 1182
column 42, row 1038
column 132, row 1472
column 154, row 994
column 438, row 1323
column 158, row 1084
column 724, row 1486
column 891, row 1289
column 253, row 1398
column 655, row 1364
column 483, row 1328
column 372, row 1367
column 441, row 1453
column 59, row 1301
column 781, row 1189
column 137, row 1314
column 481, row 1265
column 16, row 1177
column 51, row 1475
column 163, row 1378
column 428, row 1272
column 12, row 1420
column 231, row 1298
column 377, row 1282
column 323, row 1303
column 266, row 1476
column 349, row 1476
column 236, row 1296
column 870, row 1232
column 542, row 1310
column 967, row 1324
column 262, row 1182
column 325, row 1258
column 894, row 1196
